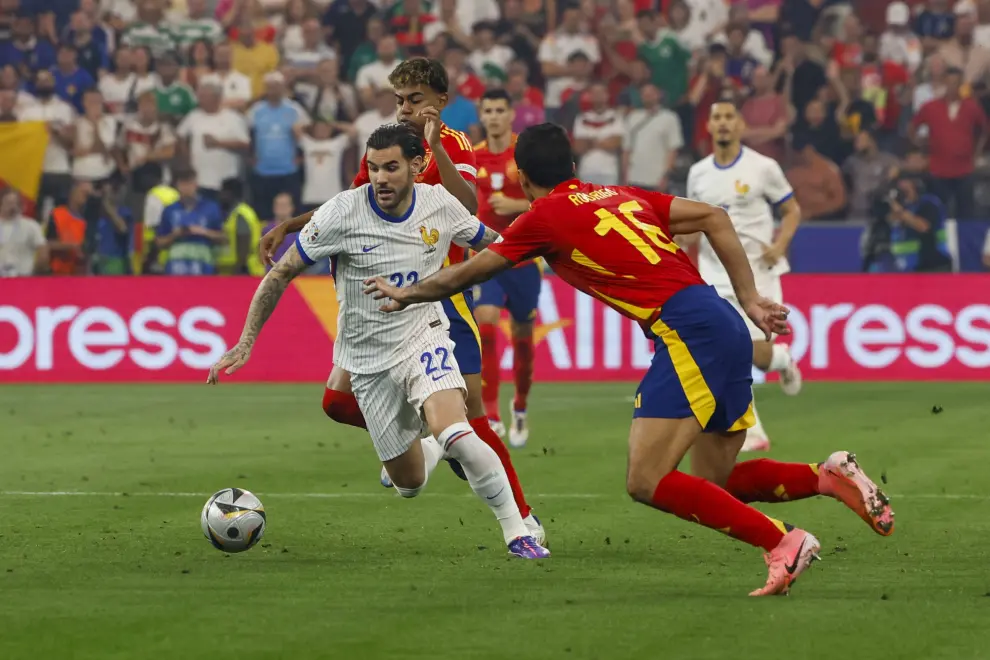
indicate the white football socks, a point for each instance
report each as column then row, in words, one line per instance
column 432, row 453
column 780, row 358
column 485, row 475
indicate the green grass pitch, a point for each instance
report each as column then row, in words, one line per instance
column 348, row 570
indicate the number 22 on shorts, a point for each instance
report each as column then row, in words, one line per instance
column 436, row 363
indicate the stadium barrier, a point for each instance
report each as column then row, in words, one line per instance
column 846, row 327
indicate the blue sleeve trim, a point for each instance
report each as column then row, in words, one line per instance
column 479, row 235
column 784, row 198
column 302, row 251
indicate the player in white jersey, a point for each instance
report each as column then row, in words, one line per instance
column 403, row 368
column 749, row 185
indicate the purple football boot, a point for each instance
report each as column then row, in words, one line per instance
column 526, row 547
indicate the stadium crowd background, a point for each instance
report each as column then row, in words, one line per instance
column 258, row 107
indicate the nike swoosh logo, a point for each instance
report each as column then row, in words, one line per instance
column 496, row 494
column 436, row 378
column 368, row 248
column 793, row 567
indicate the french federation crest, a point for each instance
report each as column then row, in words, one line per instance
column 431, row 237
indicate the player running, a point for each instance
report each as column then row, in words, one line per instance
column 614, row 243
column 421, row 93
column 403, row 369
column 500, row 200
column 748, row 185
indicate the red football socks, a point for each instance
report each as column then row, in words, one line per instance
column 484, row 431
column 763, row 480
column 343, row 408
column 699, row 501
column 522, row 369
column 489, row 369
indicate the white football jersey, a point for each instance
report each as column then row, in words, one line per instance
column 748, row 189
column 362, row 242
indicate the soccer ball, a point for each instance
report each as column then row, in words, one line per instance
column 233, row 520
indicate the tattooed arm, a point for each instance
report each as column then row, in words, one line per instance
column 262, row 305
column 487, row 238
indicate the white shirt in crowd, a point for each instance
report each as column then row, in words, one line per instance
column 308, row 59
column 375, row 74
column 747, row 189
column 366, row 124
column 706, row 17
column 650, row 137
column 234, row 85
column 95, row 166
column 470, row 12
column 139, row 140
column 598, row 165
column 367, row 242
column 213, row 164
column 20, row 239
column 498, row 57
column 116, row 93
column 324, row 167
column 58, row 114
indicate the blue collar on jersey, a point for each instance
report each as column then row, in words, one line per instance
column 734, row 160
column 385, row 216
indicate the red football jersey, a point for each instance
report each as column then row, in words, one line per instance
column 458, row 147
column 497, row 175
column 611, row 242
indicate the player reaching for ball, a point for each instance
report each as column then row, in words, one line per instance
column 403, row 368
column 500, row 201
column 748, row 185
column 614, row 243
column 421, row 93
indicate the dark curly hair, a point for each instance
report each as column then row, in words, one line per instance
column 420, row 71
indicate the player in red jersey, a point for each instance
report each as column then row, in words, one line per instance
column 614, row 243
column 421, row 93
column 500, row 200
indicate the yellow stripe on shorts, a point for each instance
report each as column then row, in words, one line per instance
column 460, row 304
column 699, row 396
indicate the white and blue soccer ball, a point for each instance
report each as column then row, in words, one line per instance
column 233, row 520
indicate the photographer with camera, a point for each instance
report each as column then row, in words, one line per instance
column 908, row 232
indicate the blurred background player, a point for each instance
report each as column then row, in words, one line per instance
column 500, row 200
column 697, row 393
column 420, row 87
column 749, row 186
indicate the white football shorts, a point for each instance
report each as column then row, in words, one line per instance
column 768, row 287
column 392, row 401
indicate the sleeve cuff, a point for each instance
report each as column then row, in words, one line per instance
column 784, row 198
column 477, row 237
column 302, row 251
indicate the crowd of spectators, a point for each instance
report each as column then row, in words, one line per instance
column 177, row 129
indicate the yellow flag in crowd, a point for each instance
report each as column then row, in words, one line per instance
column 22, row 154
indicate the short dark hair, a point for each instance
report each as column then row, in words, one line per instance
column 497, row 94
column 578, row 55
column 953, row 71
column 645, row 13
column 184, row 174
column 398, row 135
column 234, row 186
column 544, row 153
column 420, row 71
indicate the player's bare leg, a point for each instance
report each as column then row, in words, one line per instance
column 522, row 369
column 338, row 399
column 479, row 422
column 410, row 471
column 444, row 412
column 657, row 446
column 713, row 457
column 487, row 317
